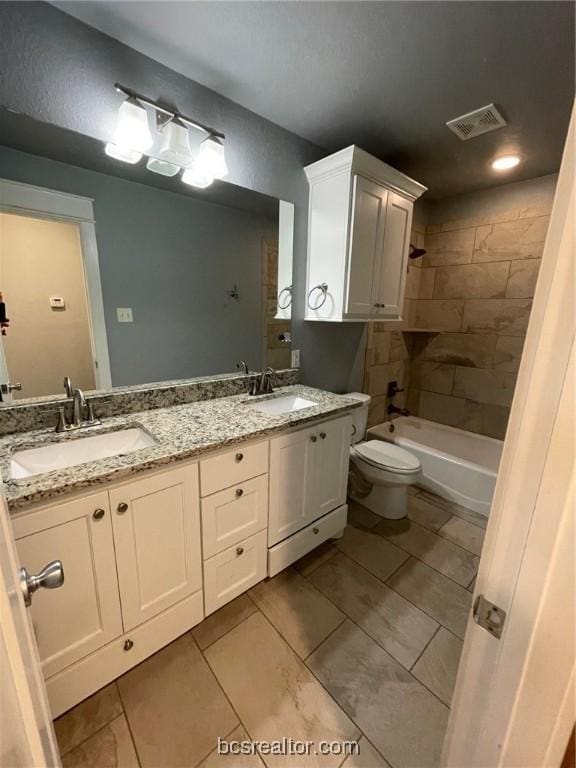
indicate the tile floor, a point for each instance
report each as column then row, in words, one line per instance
column 360, row 640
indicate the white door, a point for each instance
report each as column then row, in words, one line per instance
column 393, row 262
column 292, row 483
column 26, row 732
column 84, row 614
column 332, row 451
column 366, row 244
column 156, row 525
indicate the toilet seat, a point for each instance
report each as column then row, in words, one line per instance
column 383, row 455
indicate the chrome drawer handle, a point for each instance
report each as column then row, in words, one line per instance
column 98, row 514
column 239, row 492
column 122, row 507
column 239, row 456
column 239, row 551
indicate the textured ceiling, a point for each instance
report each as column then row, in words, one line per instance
column 383, row 75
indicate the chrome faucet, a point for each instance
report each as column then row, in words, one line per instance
column 68, row 388
column 242, row 365
column 79, row 407
column 262, row 384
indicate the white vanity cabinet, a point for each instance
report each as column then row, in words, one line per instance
column 359, row 222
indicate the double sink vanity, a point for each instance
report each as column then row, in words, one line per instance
column 161, row 517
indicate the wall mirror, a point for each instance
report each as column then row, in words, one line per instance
column 117, row 277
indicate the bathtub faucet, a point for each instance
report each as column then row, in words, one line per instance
column 402, row 411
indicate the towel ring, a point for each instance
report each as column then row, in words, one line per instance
column 321, row 287
column 287, row 290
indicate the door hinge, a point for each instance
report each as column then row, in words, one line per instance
column 489, row 616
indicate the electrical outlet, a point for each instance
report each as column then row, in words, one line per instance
column 124, row 314
column 295, row 361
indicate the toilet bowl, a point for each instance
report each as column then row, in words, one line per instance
column 385, row 470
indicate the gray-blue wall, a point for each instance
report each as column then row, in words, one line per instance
column 171, row 258
column 57, row 69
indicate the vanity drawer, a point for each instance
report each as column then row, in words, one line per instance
column 234, row 466
column 299, row 544
column 233, row 571
column 234, row 514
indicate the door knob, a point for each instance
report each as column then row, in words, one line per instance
column 50, row 577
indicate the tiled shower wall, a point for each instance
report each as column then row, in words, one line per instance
column 473, row 291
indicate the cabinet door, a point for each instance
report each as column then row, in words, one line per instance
column 291, row 483
column 84, row 614
column 366, row 244
column 391, row 277
column 331, row 465
column 156, row 524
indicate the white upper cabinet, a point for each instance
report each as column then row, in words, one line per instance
column 359, row 221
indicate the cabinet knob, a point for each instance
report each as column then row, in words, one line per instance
column 323, row 435
column 122, row 507
column 98, row 514
column 239, row 492
column 239, row 456
column 316, row 530
column 128, row 645
column 239, row 551
column 313, row 438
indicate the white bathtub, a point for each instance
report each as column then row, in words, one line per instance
column 459, row 466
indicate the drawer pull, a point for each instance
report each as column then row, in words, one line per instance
column 323, row 435
column 239, row 492
column 98, row 514
column 313, row 438
column 122, row 507
column 128, row 645
column 239, row 456
column 316, row 530
column 239, row 551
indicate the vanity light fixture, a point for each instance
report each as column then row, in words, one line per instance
column 211, row 160
column 122, row 153
column 505, row 162
column 196, row 178
column 132, row 131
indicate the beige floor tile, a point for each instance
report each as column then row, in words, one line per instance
column 402, row 719
column 463, row 533
column 223, row 621
column 438, row 596
column 110, row 747
column 275, row 694
column 388, row 618
column 472, row 585
column 455, row 509
column 316, row 558
column 215, row 760
column 302, row 615
column 367, row 757
column 438, row 665
column 361, row 517
column 372, row 551
column 175, row 707
column 438, row 553
column 423, row 512
column 87, row 717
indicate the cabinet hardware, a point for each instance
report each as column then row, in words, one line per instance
column 239, row 456
column 98, row 514
column 313, row 438
column 316, row 530
column 239, row 492
column 122, row 507
column 323, row 435
column 239, row 551
column 128, row 645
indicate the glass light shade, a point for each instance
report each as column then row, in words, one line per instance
column 132, row 130
column 122, row 153
column 196, row 177
column 211, row 160
column 156, row 165
column 175, row 148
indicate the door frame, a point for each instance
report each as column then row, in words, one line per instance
column 39, row 202
column 516, row 692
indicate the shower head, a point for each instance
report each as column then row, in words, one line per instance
column 416, row 253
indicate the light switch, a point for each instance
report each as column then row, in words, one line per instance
column 124, row 314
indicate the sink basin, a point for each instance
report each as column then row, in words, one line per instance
column 69, row 453
column 281, row 405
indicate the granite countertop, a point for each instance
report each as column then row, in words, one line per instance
column 181, row 432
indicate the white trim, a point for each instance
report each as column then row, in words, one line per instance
column 29, row 200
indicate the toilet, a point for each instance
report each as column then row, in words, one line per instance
column 381, row 471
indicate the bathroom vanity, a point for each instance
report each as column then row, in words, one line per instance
column 154, row 540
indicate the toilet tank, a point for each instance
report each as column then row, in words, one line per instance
column 359, row 416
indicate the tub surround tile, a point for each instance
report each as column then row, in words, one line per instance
column 81, row 722
column 371, row 551
column 302, row 615
column 307, row 564
column 438, row 665
column 226, row 618
column 380, row 375
column 495, row 420
column 214, row 760
column 508, row 353
column 463, row 533
column 111, row 747
column 508, row 317
column 445, row 248
column 181, row 432
column 381, row 348
column 508, row 241
column 523, row 278
column 427, row 279
column 397, row 625
column 439, row 314
column 441, row 598
column 463, row 349
column 484, row 386
column 275, row 694
column 403, row 720
column 412, row 282
column 472, row 281
column 433, row 377
column 175, row 707
column 367, row 757
column 453, row 411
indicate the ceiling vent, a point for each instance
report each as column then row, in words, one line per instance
column 476, row 123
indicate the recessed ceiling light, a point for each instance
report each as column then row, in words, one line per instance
column 505, row 162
